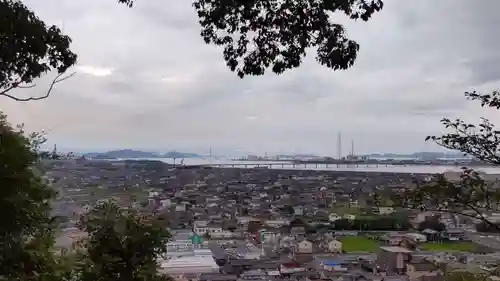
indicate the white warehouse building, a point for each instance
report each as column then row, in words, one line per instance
column 200, row 261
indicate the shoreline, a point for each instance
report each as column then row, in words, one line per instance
column 259, row 165
column 373, row 162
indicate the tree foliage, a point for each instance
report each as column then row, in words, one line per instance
column 471, row 195
column 432, row 223
column 373, row 223
column 255, row 35
column 480, row 141
column 465, row 276
column 486, row 227
column 28, row 49
column 254, row 226
column 121, row 245
column 260, row 34
column 26, row 236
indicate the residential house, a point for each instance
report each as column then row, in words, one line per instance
column 221, row 234
column 180, row 207
column 238, row 266
column 431, row 234
column 254, row 274
column 152, row 194
column 276, row 223
column 299, row 232
column 454, row 234
column 417, row 237
column 408, row 244
column 291, row 267
column 334, row 246
column 385, row 210
column 269, row 235
column 353, row 203
column 392, row 239
column 165, row 203
column 346, row 233
column 416, row 270
column 350, row 216
column 329, row 264
column 333, row 217
column 271, row 267
column 392, row 259
column 245, row 220
column 298, row 210
column 217, row 277
column 305, row 247
column 203, row 228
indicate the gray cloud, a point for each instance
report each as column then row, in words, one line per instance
column 485, row 69
column 167, row 89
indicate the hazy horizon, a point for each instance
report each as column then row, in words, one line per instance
column 231, row 153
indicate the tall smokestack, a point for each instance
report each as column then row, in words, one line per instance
column 339, row 146
column 352, row 148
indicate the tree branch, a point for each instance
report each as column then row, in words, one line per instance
column 59, row 78
column 480, row 218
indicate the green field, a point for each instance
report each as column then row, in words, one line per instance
column 358, row 244
column 448, row 246
column 342, row 210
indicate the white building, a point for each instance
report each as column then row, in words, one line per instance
column 180, row 244
column 200, row 261
column 334, row 217
column 221, row 234
column 153, row 194
column 180, row 207
column 277, row 223
column 203, row 227
column 165, row 203
column 417, row 237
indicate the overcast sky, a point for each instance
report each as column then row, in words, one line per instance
column 146, row 79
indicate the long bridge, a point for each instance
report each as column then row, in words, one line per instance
column 303, row 165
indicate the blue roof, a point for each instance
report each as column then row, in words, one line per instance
column 329, row 262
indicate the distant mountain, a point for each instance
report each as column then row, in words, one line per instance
column 419, row 155
column 130, row 153
column 176, row 154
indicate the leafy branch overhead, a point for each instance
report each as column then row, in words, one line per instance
column 260, row 34
column 470, row 195
column 256, row 35
column 29, row 48
column 480, row 141
column 59, row 78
